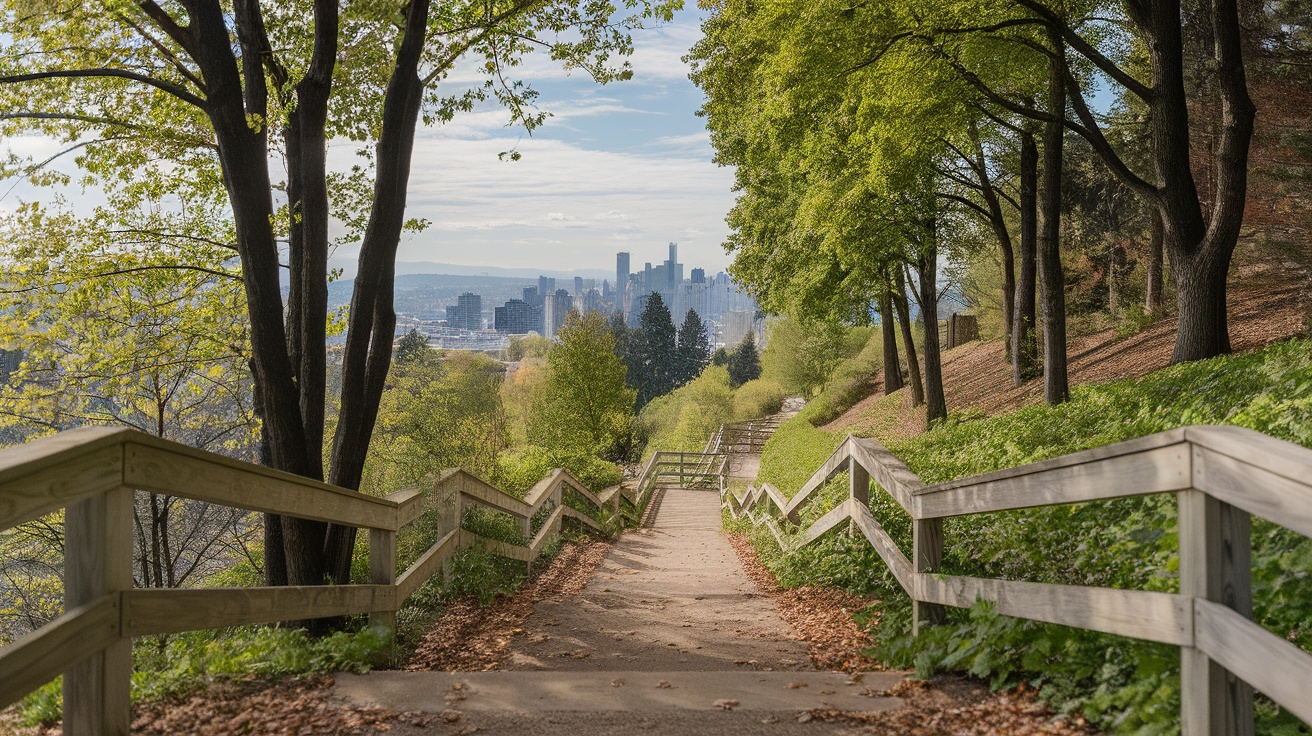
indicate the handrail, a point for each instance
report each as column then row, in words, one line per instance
column 93, row 472
column 1221, row 474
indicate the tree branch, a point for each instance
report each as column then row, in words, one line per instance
column 1087, row 50
column 159, row 84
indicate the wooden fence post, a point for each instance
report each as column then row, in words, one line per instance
column 98, row 562
column 382, row 571
column 858, row 482
column 1215, row 565
column 927, row 555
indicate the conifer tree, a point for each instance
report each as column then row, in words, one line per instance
column 694, row 349
column 653, row 352
column 744, row 362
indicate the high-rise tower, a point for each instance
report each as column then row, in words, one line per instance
column 621, row 274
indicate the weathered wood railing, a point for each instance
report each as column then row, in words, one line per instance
column 748, row 437
column 684, row 469
column 93, row 473
column 1220, row 476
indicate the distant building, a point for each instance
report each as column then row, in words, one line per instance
column 736, row 327
column 517, row 317
column 532, row 296
column 554, row 311
column 621, row 274
column 698, row 276
column 546, row 287
column 467, row 314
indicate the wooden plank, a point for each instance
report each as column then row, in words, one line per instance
column 776, row 496
column 579, row 488
column 476, row 489
column 1127, row 474
column 213, row 478
column 1215, row 565
column 1280, row 457
column 42, row 486
column 168, row 611
column 382, row 571
column 426, row 566
column 580, row 516
column 1160, row 617
column 1255, row 489
column 888, row 550
column 836, row 462
column 97, row 563
column 409, row 505
column 44, row 654
column 858, row 482
column 832, row 519
column 1273, row 666
column 56, row 450
column 540, row 490
column 887, row 470
column 550, row 527
column 926, row 557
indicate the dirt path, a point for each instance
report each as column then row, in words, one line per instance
column 672, row 597
column 669, row 636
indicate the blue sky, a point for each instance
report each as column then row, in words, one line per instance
column 626, row 166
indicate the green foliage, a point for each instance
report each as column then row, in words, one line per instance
column 437, row 412
column 483, row 576
column 584, row 407
column 520, row 468
column 683, row 420
column 694, row 350
column 744, row 362
column 412, row 347
column 182, row 663
column 756, row 399
column 851, row 380
column 803, row 356
column 652, row 352
column 720, row 357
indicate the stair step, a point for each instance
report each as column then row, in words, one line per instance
column 632, row 691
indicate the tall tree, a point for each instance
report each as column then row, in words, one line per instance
column 586, row 404
column 694, row 351
column 653, row 365
column 207, row 92
column 744, row 362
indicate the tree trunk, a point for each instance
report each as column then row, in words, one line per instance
column 904, row 325
column 999, row 225
column 1199, row 248
column 1025, row 345
column 892, row 366
column 936, row 408
column 1056, row 388
column 1152, row 302
column 372, row 327
column 243, row 159
column 1200, row 293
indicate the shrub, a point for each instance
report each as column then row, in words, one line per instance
column 756, row 399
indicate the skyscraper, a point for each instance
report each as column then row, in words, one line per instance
column 621, row 273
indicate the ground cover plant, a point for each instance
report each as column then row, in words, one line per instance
column 1121, row 684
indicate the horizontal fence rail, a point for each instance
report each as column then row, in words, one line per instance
column 1220, row 475
column 92, row 474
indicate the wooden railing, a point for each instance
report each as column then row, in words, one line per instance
column 743, row 437
column 1220, row 475
column 92, row 473
column 683, row 469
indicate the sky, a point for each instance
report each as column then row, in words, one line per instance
column 621, row 167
